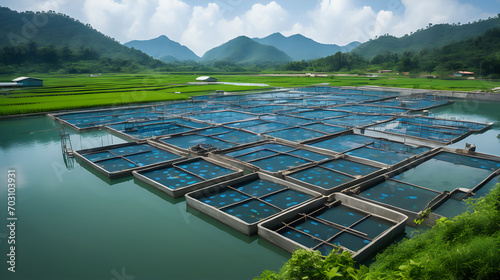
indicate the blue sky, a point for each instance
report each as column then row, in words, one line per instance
column 202, row 25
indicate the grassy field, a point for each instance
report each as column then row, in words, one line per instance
column 80, row 91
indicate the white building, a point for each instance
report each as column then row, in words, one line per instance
column 29, row 82
column 206, row 79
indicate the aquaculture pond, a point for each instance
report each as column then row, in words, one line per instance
column 75, row 223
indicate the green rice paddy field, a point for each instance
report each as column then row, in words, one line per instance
column 62, row 92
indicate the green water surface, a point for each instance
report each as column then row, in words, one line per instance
column 72, row 223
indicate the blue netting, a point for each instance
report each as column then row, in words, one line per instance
column 349, row 167
column 320, row 114
column 357, row 120
column 325, row 128
column 343, row 143
column 335, row 225
column 172, row 177
column 187, row 141
column 279, row 163
column 205, row 169
column 267, row 126
column 296, row 134
column 400, row 195
column 321, row 177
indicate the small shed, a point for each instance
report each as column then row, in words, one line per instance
column 29, row 82
column 464, row 74
column 206, row 79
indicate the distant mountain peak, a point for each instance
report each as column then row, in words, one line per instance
column 243, row 49
column 164, row 49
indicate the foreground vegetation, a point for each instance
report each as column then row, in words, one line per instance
column 76, row 91
column 465, row 247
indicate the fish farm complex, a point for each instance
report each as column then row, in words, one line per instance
column 319, row 168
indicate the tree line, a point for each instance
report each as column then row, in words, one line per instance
column 479, row 55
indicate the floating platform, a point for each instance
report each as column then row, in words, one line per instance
column 120, row 160
column 178, row 178
column 334, row 175
column 137, row 130
column 338, row 222
column 430, row 181
column 245, row 202
column 215, row 138
column 373, row 151
column 269, row 157
column 429, row 130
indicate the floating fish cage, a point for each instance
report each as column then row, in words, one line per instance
column 178, row 178
column 415, row 103
column 372, row 109
column 323, row 102
column 270, row 109
column 288, row 120
column 120, row 160
column 193, row 106
column 258, row 126
column 357, row 120
column 338, row 222
column 220, row 117
column 430, row 181
column 215, row 138
column 334, row 175
column 269, row 157
column 427, row 129
column 321, row 114
column 245, row 202
column 303, row 133
column 90, row 119
column 373, row 151
column 140, row 130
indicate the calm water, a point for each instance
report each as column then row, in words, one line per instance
column 74, row 224
column 477, row 111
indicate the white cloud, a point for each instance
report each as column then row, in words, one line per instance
column 170, row 18
column 208, row 28
column 263, row 20
column 418, row 14
column 344, row 21
column 54, row 5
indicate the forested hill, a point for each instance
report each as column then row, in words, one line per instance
column 243, row 50
column 434, row 36
column 59, row 30
column 162, row 48
column 478, row 54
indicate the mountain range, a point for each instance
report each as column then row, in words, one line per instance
column 299, row 47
